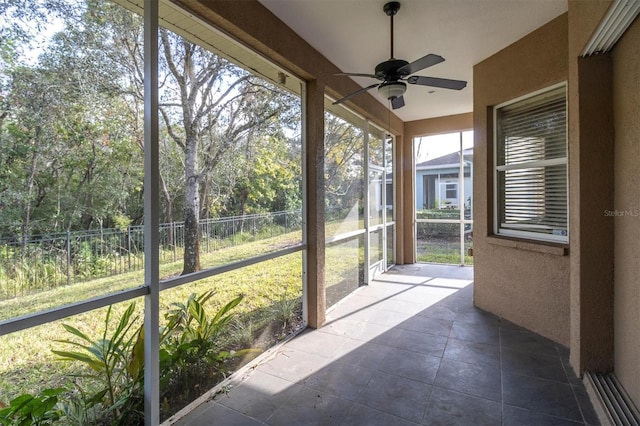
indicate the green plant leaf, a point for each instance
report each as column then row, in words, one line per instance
column 136, row 364
column 226, row 308
column 53, row 391
column 77, row 356
column 76, row 332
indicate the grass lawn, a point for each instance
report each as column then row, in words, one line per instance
column 442, row 251
column 28, row 365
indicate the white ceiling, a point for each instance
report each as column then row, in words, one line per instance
column 354, row 35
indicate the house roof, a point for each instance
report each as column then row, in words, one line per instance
column 452, row 159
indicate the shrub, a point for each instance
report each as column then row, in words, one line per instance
column 191, row 348
column 33, row 410
column 115, row 364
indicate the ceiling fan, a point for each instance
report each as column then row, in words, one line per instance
column 394, row 72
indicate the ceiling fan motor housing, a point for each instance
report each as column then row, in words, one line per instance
column 391, row 8
column 388, row 70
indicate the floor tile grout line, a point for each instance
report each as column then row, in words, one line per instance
column 433, row 385
column 214, row 401
column 547, row 414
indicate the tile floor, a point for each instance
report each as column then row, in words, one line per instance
column 409, row 349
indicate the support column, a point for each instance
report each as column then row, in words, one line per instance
column 151, row 218
column 591, row 180
column 314, row 132
column 399, row 205
column 409, row 201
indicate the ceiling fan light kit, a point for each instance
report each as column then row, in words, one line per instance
column 392, row 90
column 395, row 72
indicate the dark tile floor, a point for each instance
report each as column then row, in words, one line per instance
column 409, row 349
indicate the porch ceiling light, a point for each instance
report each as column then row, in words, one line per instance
column 393, row 89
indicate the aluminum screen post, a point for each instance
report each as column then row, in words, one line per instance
column 151, row 217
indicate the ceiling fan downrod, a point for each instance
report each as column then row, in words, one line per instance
column 391, row 9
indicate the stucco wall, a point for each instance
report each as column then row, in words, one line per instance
column 525, row 282
column 626, row 89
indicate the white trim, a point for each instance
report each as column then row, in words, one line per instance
column 151, row 217
column 620, row 15
column 344, row 236
column 533, row 236
column 534, row 164
column 305, row 201
column 367, row 200
column 441, row 166
column 11, row 325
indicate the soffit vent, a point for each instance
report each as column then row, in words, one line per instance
column 620, row 15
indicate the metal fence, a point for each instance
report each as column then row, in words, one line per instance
column 42, row 262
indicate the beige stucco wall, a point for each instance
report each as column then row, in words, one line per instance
column 527, row 283
column 626, row 89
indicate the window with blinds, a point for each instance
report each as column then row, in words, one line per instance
column 531, row 166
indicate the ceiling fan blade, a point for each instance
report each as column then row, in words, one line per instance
column 397, row 102
column 420, row 64
column 445, row 83
column 356, row 74
column 364, row 89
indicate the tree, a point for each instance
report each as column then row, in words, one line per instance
column 71, row 127
column 344, row 159
column 67, row 160
column 211, row 108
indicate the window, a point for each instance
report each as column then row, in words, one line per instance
column 531, row 166
column 451, row 190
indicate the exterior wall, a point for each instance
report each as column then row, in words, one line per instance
column 524, row 281
column 626, row 107
column 420, row 198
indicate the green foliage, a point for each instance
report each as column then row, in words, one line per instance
column 111, row 389
column 27, row 361
column 191, row 350
column 242, row 331
column 190, row 318
column 121, row 221
column 343, row 165
column 27, row 410
column 89, row 262
column 284, row 309
column 114, row 369
column 438, row 230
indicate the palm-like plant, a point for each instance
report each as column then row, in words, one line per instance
column 113, row 360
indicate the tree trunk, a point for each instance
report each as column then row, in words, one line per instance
column 168, row 210
column 26, row 206
column 191, row 209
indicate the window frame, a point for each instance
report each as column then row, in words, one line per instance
column 498, row 199
column 450, row 186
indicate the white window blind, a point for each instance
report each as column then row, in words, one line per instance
column 531, row 167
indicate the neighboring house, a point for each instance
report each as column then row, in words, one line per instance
column 437, row 183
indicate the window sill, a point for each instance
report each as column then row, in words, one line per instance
column 527, row 245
